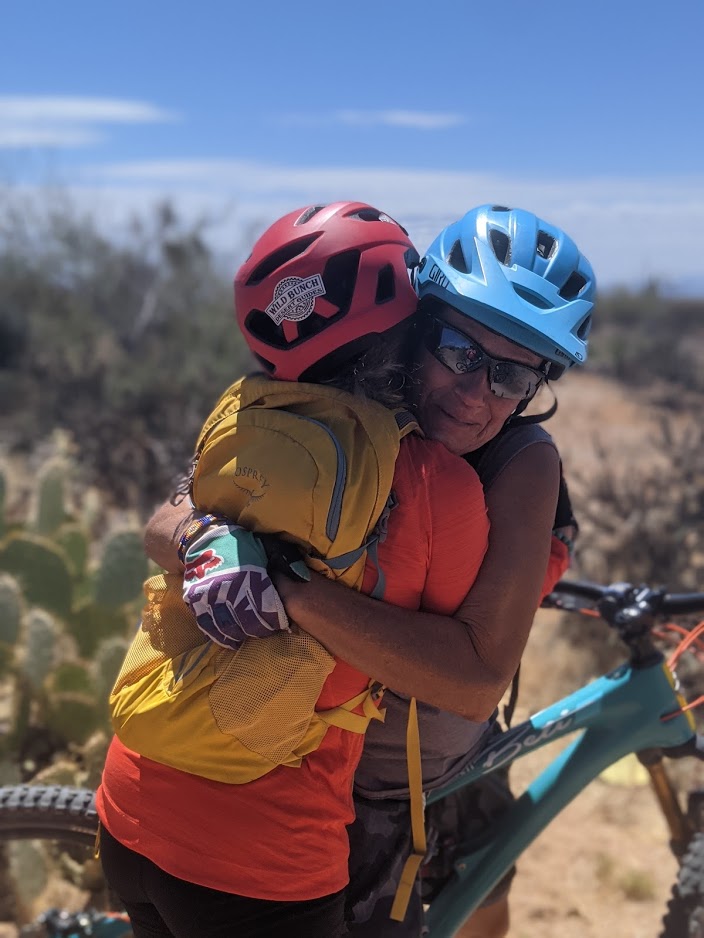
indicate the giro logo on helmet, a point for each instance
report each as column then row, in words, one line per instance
column 294, row 298
column 437, row 276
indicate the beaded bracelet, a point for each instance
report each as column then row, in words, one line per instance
column 193, row 530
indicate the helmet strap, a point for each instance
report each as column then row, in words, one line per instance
column 516, row 419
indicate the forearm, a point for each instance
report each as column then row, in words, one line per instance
column 463, row 663
column 163, row 532
column 391, row 644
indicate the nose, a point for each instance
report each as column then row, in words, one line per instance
column 473, row 386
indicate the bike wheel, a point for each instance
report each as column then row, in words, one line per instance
column 48, row 812
column 685, row 910
column 62, row 823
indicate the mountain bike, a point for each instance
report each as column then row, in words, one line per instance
column 636, row 708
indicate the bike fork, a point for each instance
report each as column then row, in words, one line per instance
column 679, row 823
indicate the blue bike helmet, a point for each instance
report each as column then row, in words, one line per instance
column 517, row 275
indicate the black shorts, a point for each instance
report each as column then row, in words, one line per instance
column 161, row 906
column 380, row 842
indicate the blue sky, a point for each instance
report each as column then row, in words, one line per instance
column 588, row 113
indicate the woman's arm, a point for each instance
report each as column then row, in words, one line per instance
column 163, row 532
column 462, row 663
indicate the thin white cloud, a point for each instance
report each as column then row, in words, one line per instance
column 414, row 120
column 623, row 224
column 18, row 136
column 55, row 109
column 52, row 121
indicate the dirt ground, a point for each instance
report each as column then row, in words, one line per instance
column 603, row 867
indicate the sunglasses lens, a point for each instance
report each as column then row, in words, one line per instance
column 459, row 359
column 513, row 381
column 462, row 355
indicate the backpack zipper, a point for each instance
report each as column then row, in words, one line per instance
column 332, row 524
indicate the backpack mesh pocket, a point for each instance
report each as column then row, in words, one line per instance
column 265, row 693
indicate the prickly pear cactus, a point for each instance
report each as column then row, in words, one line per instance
column 72, row 538
column 10, row 620
column 90, row 624
column 3, row 498
column 42, row 570
column 123, row 568
column 50, row 508
column 108, row 661
column 39, row 647
column 71, row 677
column 72, row 716
column 10, row 609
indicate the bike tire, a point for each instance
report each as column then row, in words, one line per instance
column 685, row 910
column 48, row 812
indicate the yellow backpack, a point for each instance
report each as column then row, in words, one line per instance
column 314, row 465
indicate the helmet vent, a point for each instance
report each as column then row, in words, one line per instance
column 366, row 214
column 279, row 258
column 585, row 328
column 575, row 284
column 501, row 244
column 531, row 298
column 340, row 279
column 373, row 214
column 547, row 245
column 308, row 214
column 500, row 208
column 457, row 259
column 386, row 284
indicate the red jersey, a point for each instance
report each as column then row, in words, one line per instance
column 283, row 836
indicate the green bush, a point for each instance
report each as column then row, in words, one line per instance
column 126, row 343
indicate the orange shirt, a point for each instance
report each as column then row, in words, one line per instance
column 283, row 837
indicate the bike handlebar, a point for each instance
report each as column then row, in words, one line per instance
column 627, row 594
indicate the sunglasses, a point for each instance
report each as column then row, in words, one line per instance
column 462, row 355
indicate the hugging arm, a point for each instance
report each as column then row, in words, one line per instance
column 163, row 532
column 462, row 663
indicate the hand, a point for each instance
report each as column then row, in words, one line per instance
column 228, row 588
column 285, row 558
column 297, row 594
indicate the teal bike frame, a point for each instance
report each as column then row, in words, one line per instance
column 619, row 713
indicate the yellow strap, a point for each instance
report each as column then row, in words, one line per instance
column 415, row 787
column 343, row 717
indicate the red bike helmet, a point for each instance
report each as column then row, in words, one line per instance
column 324, row 281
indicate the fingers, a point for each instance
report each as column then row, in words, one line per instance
column 237, row 605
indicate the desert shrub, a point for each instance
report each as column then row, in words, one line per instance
column 645, row 337
column 125, row 343
column 640, row 523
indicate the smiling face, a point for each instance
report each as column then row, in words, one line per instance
column 460, row 411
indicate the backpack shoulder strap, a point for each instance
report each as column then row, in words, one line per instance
column 417, row 806
column 406, row 423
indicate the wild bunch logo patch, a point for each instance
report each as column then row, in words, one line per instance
column 294, row 298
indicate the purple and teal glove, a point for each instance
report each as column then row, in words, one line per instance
column 227, row 585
